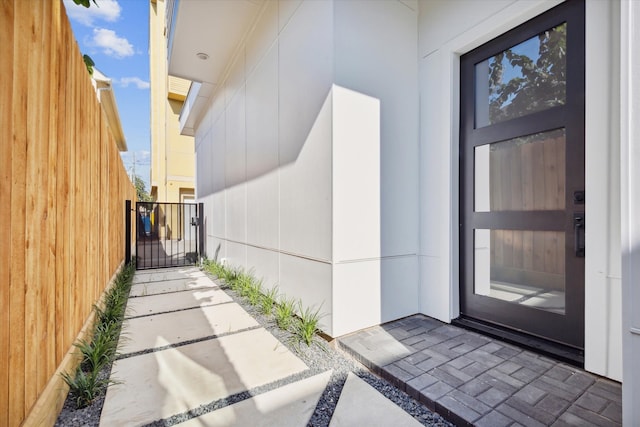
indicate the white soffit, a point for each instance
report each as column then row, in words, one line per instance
column 212, row 27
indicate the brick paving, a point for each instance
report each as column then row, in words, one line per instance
column 471, row 379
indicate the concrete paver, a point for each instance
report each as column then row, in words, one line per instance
column 173, row 301
column 362, row 405
column 168, row 382
column 289, row 406
column 181, row 326
column 174, row 285
column 166, row 274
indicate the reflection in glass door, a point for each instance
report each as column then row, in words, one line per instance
column 521, row 174
column 522, row 179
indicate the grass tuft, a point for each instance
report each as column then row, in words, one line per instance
column 306, row 325
column 85, row 387
column 268, row 301
column 284, row 313
column 254, row 292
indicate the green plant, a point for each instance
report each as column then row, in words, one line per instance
column 268, row 300
column 115, row 302
column 102, row 348
column 230, row 276
column 284, row 313
column 242, row 285
column 85, row 386
column 306, row 326
column 214, row 268
column 254, row 292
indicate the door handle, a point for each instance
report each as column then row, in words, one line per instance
column 579, row 233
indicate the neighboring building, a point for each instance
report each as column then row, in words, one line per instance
column 107, row 98
column 172, row 154
column 383, row 158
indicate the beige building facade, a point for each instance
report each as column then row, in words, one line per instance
column 172, row 154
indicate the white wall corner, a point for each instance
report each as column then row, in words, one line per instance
column 355, row 175
column 630, row 179
column 603, row 354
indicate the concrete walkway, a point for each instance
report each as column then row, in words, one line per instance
column 190, row 355
column 471, row 379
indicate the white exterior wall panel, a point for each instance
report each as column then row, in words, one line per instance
column 438, row 192
column 305, row 75
column 375, row 163
column 375, row 51
column 309, row 281
column 266, row 264
column 603, row 301
column 630, row 177
column 263, row 224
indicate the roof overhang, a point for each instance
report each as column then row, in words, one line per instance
column 107, row 99
column 193, row 107
column 206, row 29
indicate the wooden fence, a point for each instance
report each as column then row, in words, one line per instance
column 62, row 194
column 528, row 176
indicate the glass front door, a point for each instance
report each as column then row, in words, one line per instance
column 522, row 199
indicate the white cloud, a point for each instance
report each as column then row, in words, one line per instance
column 136, row 81
column 106, row 10
column 110, row 43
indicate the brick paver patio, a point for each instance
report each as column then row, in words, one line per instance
column 471, row 379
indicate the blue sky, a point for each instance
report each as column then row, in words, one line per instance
column 115, row 34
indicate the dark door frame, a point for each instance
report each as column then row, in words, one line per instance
column 501, row 315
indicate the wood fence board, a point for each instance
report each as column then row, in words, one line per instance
column 36, row 173
column 17, row 224
column 62, row 184
column 552, row 199
column 561, row 153
column 6, row 71
column 52, row 360
column 71, row 142
column 515, row 179
column 537, row 163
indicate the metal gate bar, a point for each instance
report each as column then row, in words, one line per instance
column 167, row 234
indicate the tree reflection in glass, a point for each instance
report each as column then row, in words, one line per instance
column 523, row 79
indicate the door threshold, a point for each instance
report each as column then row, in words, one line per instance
column 564, row 353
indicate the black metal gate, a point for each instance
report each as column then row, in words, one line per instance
column 168, row 234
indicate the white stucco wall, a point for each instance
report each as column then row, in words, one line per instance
column 307, row 158
column 452, row 28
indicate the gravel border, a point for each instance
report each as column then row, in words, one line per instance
column 320, row 357
column 85, row 417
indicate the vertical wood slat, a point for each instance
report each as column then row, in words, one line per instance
column 62, row 187
column 6, row 115
column 50, row 341
column 18, row 204
column 36, row 199
column 61, row 165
